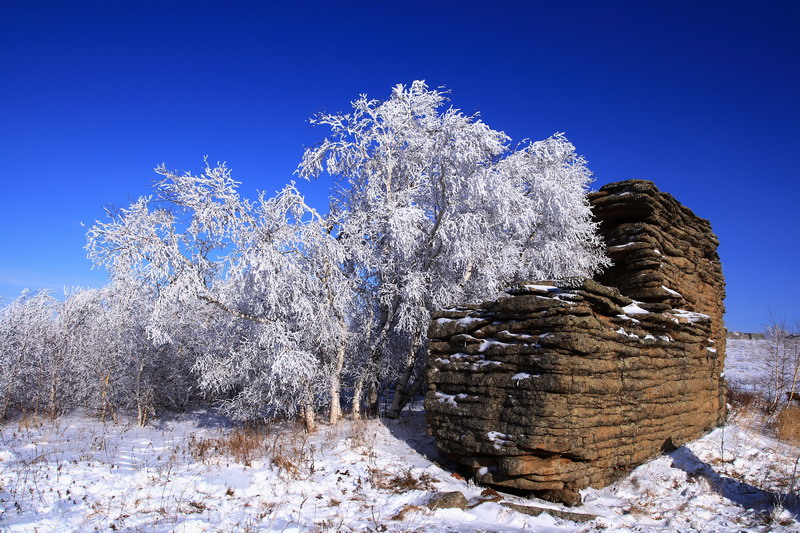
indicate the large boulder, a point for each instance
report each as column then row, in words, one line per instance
column 664, row 255
column 563, row 385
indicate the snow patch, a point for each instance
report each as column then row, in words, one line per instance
column 446, row 398
column 620, row 246
column 634, row 309
column 491, row 342
column 691, row 316
column 548, row 288
column 672, row 292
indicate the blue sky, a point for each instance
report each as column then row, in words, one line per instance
column 700, row 97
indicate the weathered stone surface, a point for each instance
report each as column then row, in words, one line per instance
column 664, row 255
column 448, row 500
column 536, row 511
column 563, row 385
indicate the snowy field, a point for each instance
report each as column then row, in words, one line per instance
column 193, row 472
column 744, row 364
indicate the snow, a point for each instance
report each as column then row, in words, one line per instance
column 446, row 398
column 486, row 344
column 634, row 309
column 621, row 246
column 79, row 474
column 533, row 286
column 622, row 331
column 516, row 336
column 464, row 322
column 689, row 315
column 672, row 292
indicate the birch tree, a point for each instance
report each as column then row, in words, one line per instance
column 26, row 330
column 271, row 272
column 439, row 210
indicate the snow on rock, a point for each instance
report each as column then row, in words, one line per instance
column 446, row 398
column 488, row 343
column 672, row 292
column 689, row 315
column 634, row 309
column 536, row 287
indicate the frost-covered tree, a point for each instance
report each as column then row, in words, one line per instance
column 126, row 363
column 781, row 361
column 275, row 327
column 26, row 332
column 90, row 349
column 438, row 209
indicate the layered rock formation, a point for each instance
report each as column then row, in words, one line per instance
column 564, row 385
column 664, row 255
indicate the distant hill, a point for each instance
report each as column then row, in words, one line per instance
column 745, row 336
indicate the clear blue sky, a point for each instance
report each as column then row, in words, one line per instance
column 700, row 97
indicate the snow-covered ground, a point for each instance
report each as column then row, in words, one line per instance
column 744, row 363
column 180, row 474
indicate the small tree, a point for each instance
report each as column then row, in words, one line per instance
column 437, row 209
column 26, row 332
column 782, row 362
column 271, row 272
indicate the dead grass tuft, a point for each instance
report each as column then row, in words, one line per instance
column 401, row 482
column 243, row 444
column 293, row 454
column 289, row 451
column 29, row 420
column 407, row 510
column 745, row 402
column 787, row 425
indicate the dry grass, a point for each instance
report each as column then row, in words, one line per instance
column 787, row 425
column 400, row 482
column 243, row 444
column 293, row 455
column 750, row 408
column 409, row 509
column 29, row 420
column 744, row 401
column 289, row 451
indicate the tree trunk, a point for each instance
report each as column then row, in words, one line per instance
column 54, row 371
column 105, row 408
column 141, row 408
column 309, row 416
column 401, row 392
column 336, row 389
column 372, row 405
column 336, row 378
column 373, row 362
column 358, row 393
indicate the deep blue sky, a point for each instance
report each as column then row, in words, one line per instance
column 700, row 97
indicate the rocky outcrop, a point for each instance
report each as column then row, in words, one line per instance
column 664, row 255
column 563, row 385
